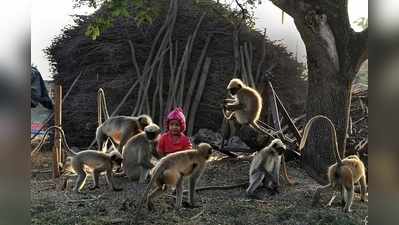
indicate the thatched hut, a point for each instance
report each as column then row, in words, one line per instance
column 109, row 62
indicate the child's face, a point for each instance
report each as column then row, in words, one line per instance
column 174, row 127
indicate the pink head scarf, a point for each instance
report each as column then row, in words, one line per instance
column 177, row 114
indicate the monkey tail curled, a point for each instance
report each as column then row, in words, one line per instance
column 101, row 106
column 65, row 143
column 333, row 135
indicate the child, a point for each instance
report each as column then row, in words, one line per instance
column 174, row 140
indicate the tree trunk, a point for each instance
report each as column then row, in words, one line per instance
column 334, row 55
column 329, row 96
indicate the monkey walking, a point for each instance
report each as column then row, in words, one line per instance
column 171, row 170
column 120, row 129
column 92, row 160
column 343, row 174
column 138, row 151
column 265, row 167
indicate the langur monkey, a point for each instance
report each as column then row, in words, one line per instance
column 343, row 174
column 120, row 129
column 88, row 160
column 138, row 151
column 171, row 170
column 265, row 167
column 245, row 105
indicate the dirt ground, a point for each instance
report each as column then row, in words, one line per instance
column 50, row 205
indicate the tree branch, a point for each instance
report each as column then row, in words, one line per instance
column 288, row 6
column 359, row 51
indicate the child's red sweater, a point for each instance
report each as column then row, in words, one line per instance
column 166, row 145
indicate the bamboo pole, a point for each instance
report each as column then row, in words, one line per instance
column 197, row 98
column 57, row 152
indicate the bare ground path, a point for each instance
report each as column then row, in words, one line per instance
column 292, row 206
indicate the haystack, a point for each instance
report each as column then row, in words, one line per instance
column 115, row 60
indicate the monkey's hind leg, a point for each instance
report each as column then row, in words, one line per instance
column 179, row 193
column 95, row 175
column 155, row 193
column 271, row 183
column 192, row 182
column 64, row 183
column 363, row 188
column 110, row 181
column 80, row 181
column 254, row 182
column 349, row 192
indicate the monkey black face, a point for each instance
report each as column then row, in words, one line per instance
column 278, row 146
column 206, row 149
column 152, row 135
column 116, row 158
column 234, row 90
column 280, row 150
column 152, row 131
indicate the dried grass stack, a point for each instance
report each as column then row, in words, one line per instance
column 108, row 63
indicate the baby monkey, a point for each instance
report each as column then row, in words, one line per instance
column 170, row 171
column 92, row 161
column 344, row 173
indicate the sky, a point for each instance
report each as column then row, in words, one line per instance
column 49, row 17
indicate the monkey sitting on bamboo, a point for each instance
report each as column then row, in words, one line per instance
column 343, row 174
column 244, row 105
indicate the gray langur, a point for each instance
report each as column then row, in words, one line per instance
column 344, row 173
column 120, row 129
column 265, row 167
column 138, row 151
column 245, row 106
column 86, row 161
column 170, row 171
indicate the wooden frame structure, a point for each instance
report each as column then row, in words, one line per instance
column 58, row 154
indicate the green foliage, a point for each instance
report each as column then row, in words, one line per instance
column 362, row 22
column 145, row 12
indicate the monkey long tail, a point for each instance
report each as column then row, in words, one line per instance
column 285, row 173
column 65, row 143
column 333, row 135
column 101, row 106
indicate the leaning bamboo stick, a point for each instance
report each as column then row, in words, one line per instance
column 197, row 98
column 185, row 67
column 194, row 77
